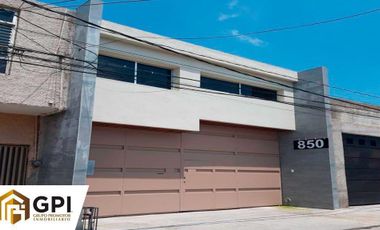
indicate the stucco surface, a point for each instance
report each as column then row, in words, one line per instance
column 30, row 85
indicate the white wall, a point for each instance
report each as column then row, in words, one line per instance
column 130, row 104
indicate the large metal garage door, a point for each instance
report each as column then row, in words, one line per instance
column 152, row 171
column 362, row 160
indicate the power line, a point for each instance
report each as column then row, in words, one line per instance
column 276, row 29
column 59, row 37
column 197, row 89
column 180, row 52
column 52, row 3
column 264, row 31
column 115, row 75
column 105, row 3
column 172, row 83
column 318, row 83
column 209, row 70
column 191, row 86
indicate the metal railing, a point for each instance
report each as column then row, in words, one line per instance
column 13, row 163
column 90, row 218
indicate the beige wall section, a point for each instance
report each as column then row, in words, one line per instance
column 27, row 85
column 19, row 130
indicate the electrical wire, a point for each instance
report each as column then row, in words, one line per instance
column 310, row 81
column 18, row 49
column 197, row 89
column 180, row 52
column 57, row 36
column 49, row 4
column 104, row 3
column 271, row 30
column 314, row 107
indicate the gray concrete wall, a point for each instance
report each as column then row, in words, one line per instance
column 308, row 176
column 36, row 86
column 65, row 137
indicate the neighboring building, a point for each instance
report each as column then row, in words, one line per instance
column 347, row 172
column 28, row 91
column 171, row 132
column 357, row 155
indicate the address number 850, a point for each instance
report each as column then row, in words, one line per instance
column 318, row 143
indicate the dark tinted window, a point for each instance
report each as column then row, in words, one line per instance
column 5, row 36
column 266, row 94
column 154, row 76
column 3, row 65
column 219, row 85
column 6, row 15
column 373, row 143
column 116, row 69
column 350, row 141
column 361, row 142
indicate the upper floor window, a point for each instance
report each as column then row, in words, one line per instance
column 116, row 69
column 128, row 71
column 261, row 93
column 236, row 88
column 219, row 85
column 154, row 76
column 7, row 24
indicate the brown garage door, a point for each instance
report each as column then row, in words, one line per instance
column 153, row 171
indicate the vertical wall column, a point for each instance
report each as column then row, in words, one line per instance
column 309, row 176
column 65, row 137
column 185, row 77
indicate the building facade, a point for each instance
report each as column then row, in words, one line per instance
column 159, row 125
column 30, row 86
column 173, row 139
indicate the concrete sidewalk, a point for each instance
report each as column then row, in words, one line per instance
column 353, row 218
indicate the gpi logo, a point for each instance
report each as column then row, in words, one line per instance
column 14, row 207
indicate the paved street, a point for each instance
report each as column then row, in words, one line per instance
column 354, row 218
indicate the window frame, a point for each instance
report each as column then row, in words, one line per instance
column 133, row 76
column 220, row 80
column 136, row 72
column 166, row 78
column 12, row 38
column 240, row 88
column 262, row 91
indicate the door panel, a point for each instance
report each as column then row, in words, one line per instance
column 362, row 163
column 225, row 166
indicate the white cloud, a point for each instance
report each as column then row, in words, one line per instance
column 223, row 17
column 232, row 4
column 254, row 41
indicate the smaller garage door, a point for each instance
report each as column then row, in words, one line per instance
column 362, row 160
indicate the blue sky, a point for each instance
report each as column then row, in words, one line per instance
column 349, row 49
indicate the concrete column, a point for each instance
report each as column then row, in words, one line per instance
column 309, row 176
column 65, row 137
column 187, row 78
